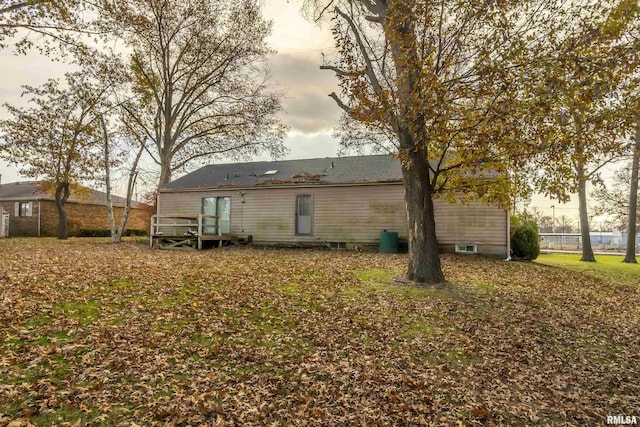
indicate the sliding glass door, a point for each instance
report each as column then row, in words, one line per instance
column 220, row 207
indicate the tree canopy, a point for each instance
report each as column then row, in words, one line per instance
column 435, row 84
column 56, row 137
column 464, row 94
column 44, row 23
column 584, row 113
column 198, row 70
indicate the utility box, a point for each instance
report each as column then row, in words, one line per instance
column 389, row 242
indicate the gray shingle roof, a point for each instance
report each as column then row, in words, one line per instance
column 31, row 190
column 328, row 170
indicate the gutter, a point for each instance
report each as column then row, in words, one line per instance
column 77, row 202
column 256, row 187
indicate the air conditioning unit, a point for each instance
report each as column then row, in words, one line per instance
column 466, row 249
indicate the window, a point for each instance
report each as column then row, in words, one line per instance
column 304, row 215
column 23, row 209
column 466, row 249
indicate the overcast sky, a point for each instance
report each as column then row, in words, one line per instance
column 309, row 112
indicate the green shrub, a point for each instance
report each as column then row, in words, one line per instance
column 93, row 233
column 525, row 243
column 103, row 232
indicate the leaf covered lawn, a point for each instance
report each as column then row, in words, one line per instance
column 102, row 334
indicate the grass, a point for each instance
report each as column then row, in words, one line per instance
column 247, row 336
column 606, row 267
column 377, row 280
column 84, row 312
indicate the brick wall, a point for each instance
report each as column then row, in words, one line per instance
column 79, row 217
column 20, row 226
column 95, row 217
column 49, row 219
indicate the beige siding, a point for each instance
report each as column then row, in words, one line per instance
column 351, row 214
column 473, row 223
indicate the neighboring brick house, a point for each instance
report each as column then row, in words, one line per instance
column 33, row 213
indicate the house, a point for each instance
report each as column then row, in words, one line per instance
column 334, row 202
column 30, row 211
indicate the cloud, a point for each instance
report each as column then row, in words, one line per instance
column 9, row 173
column 308, row 108
column 307, row 146
column 291, row 31
column 18, row 70
column 309, row 111
column 312, row 146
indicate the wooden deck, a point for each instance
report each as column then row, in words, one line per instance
column 185, row 232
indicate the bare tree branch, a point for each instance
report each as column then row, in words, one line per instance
column 341, row 104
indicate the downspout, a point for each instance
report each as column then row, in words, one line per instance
column 39, row 216
column 157, row 219
column 242, row 193
column 508, row 236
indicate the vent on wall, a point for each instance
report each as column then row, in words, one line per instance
column 466, row 249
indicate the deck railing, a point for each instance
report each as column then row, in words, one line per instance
column 183, row 229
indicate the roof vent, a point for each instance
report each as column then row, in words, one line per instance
column 332, row 165
column 271, row 172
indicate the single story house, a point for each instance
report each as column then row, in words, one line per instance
column 31, row 212
column 342, row 202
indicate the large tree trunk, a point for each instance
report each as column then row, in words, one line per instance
column 165, row 172
column 167, row 132
column 424, row 258
column 409, row 125
column 630, row 256
column 587, row 251
column 62, row 195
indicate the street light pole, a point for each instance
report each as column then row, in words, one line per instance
column 553, row 219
